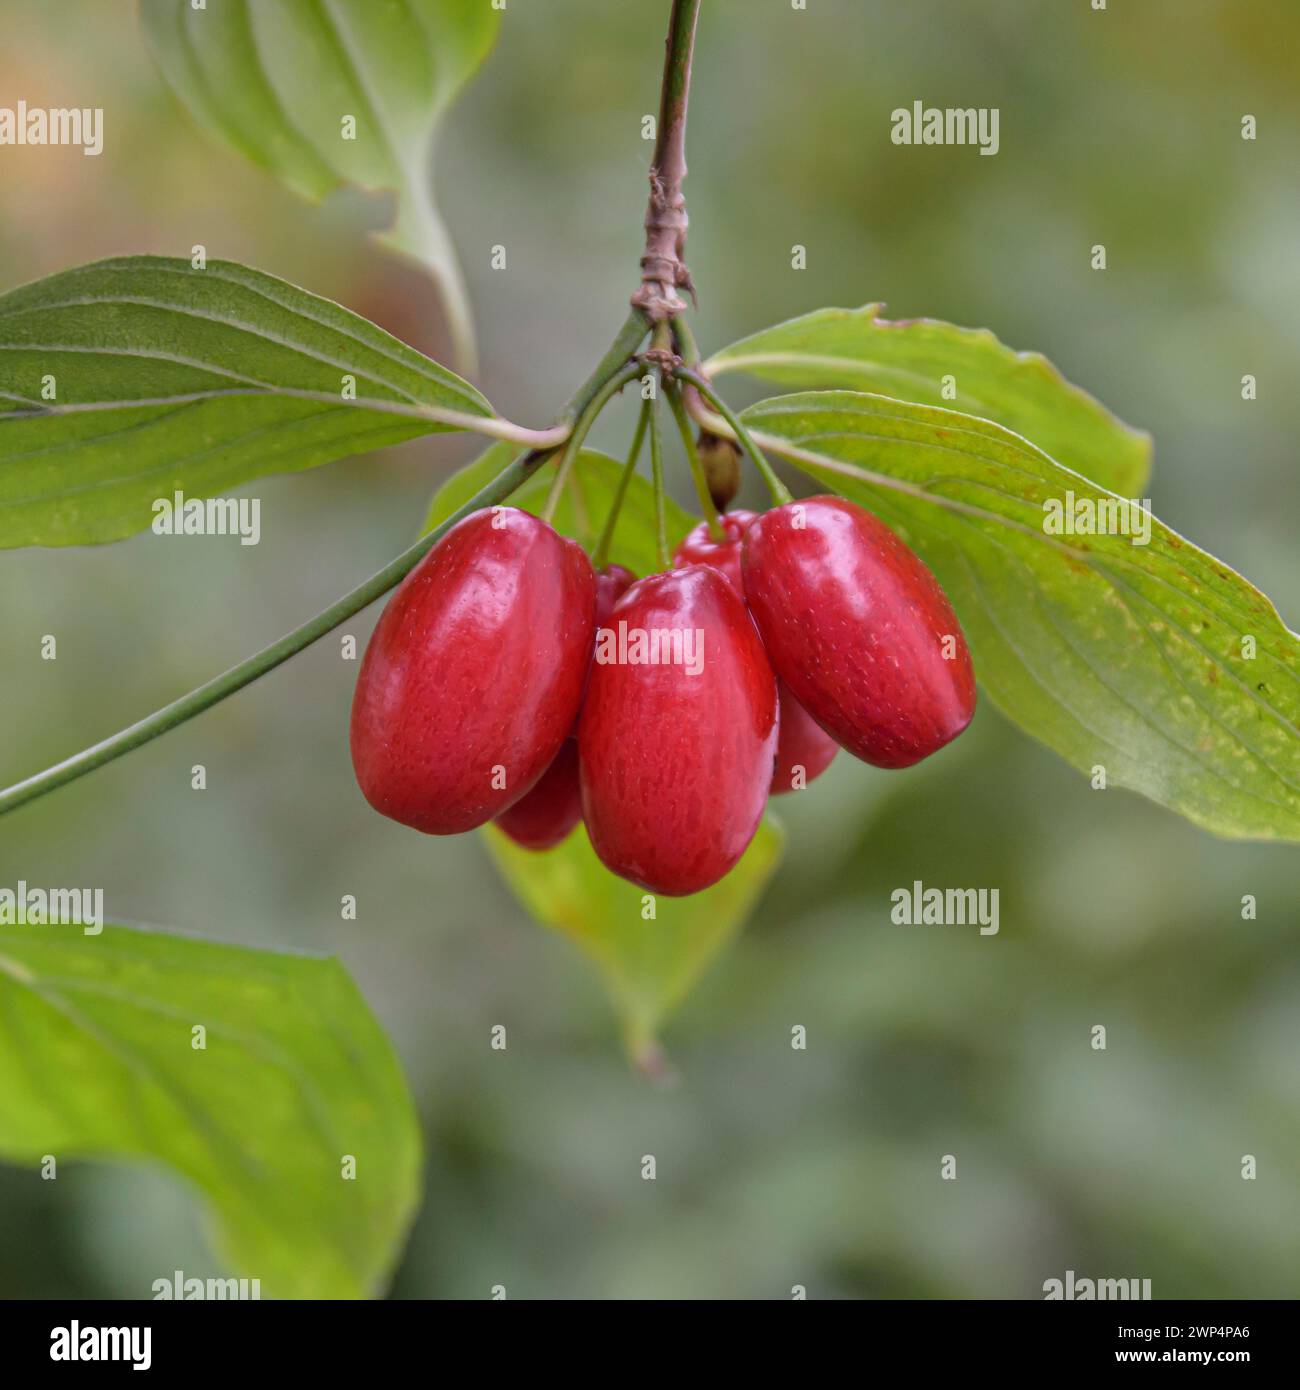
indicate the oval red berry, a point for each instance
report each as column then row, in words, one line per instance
column 474, row 674
column 676, row 754
column 859, row 629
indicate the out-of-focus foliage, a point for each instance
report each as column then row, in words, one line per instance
column 260, row 1076
column 774, row 1166
column 648, row 972
column 324, row 95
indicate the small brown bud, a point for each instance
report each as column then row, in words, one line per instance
column 721, row 461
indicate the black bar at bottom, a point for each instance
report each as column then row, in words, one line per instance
column 1045, row 1338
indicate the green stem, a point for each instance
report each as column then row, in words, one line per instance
column 615, row 361
column 424, row 228
column 657, row 478
column 601, row 557
column 780, row 493
column 677, row 79
column 688, row 347
column 582, row 427
column 709, row 511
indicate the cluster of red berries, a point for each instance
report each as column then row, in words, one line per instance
column 508, row 681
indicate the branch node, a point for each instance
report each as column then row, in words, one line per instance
column 663, row 271
column 664, row 358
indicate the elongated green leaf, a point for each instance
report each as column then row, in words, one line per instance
column 98, row 1060
column 328, row 92
column 583, row 507
column 1156, row 662
column 859, row 350
column 128, row 380
column 649, row 963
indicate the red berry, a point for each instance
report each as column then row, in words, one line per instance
column 547, row 814
column 699, row 547
column 612, row 583
column 802, row 742
column 675, row 766
column 474, row 674
column 856, row 625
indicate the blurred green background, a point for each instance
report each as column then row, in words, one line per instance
column 775, row 1167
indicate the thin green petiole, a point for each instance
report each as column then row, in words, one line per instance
column 657, row 477
column 601, row 556
column 780, row 493
column 709, row 511
column 581, row 428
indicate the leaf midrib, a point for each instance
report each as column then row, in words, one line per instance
column 186, row 311
column 183, row 459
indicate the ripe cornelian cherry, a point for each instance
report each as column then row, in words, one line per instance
column 547, row 814
column 804, row 750
column 474, row 674
column 699, row 548
column 859, row 629
column 612, row 583
column 678, row 733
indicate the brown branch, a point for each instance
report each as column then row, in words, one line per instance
column 663, row 272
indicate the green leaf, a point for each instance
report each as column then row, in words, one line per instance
column 96, row 1062
column 277, row 79
column 648, row 966
column 1131, row 657
column 169, row 378
column 594, row 477
column 858, row 350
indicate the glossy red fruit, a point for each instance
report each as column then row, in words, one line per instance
column 675, row 767
column 548, row 813
column 699, row 547
column 804, row 749
column 859, row 629
column 474, row 674
column 803, row 743
column 612, row 583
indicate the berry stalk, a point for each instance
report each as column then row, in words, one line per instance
column 600, row 558
column 684, row 340
column 707, row 508
column 657, row 477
